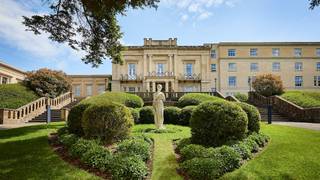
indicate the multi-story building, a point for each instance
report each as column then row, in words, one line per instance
column 89, row 85
column 10, row 74
column 229, row 67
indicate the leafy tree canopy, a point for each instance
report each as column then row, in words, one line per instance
column 314, row 3
column 89, row 25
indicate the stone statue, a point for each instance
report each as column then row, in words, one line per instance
column 158, row 99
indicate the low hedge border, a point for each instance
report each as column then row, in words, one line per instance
column 127, row 161
column 199, row 162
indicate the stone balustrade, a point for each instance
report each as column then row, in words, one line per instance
column 33, row 109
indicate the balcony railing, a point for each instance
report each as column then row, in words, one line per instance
column 131, row 77
column 189, row 77
column 166, row 74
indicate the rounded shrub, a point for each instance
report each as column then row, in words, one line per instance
column 74, row 118
column 193, row 150
column 81, row 146
column 185, row 115
column 183, row 143
column 254, row 117
column 195, row 99
column 96, row 156
column 135, row 114
column 229, row 157
column 109, row 122
column 203, row 168
column 128, row 167
column 147, row 115
column 68, row 139
column 135, row 147
column 241, row 97
column 171, row 115
column 243, row 150
column 213, row 123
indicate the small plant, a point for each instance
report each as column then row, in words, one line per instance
column 268, row 85
column 171, row 115
column 147, row 115
column 135, row 147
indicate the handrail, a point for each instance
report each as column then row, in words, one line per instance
column 33, row 109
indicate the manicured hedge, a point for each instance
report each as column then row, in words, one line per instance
column 129, row 100
column 147, row 115
column 136, row 146
column 109, row 122
column 135, row 112
column 254, row 117
column 241, row 97
column 74, row 122
column 171, row 115
column 214, row 123
column 305, row 99
column 13, row 96
column 185, row 115
column 195, row 99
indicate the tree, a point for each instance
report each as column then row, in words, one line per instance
column 89, row 25
column 268, row 85
column 48, row 83
column 314, row 3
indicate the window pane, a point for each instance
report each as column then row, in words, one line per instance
column 101, row 88
column 213, row 54
column 232, row 66
column 298, row 81
column 318, row 66
column 232, row 81
column 254, row 52
column 231, row 52
column 132, row 71
column 254, row 67
column 77, row 90
column 188, row 70
column 297, row 52
column 213, row 68
column 298, row 66
column 276, row 66
column 318, row 52
column 275, row 52
column 132, row 89
column 89, row 90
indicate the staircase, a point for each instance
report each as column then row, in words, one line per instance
column 275, row 115
column 55, row 113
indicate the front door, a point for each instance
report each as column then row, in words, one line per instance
column 163, row 84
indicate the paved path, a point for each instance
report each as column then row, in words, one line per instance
column 11, row 126
column 313, row 126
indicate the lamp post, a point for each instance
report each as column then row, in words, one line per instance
column 215, row 84
column 249, row 81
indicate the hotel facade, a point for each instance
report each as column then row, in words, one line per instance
column 229, row 67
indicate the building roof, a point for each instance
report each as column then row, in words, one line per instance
column 90, row 76
column 11, row 67
column 269, row 43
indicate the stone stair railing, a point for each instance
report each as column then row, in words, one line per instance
column 33, row 109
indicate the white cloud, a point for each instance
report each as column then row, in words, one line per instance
column 200, row 9
column 184, row 17
column 12, row 32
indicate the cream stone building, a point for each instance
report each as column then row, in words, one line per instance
column 10, row 74
column 228, row 67
column 89, row 85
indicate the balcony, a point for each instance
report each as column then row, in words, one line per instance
column 189, row 78
column 162, row 75
column 131, row 78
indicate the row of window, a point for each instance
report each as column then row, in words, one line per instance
column 253, row 52
column 298, row 81
column 188, row 68
column 4, row 80
column 254, row 67
column 89, row 89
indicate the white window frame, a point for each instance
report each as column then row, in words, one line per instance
column 254, row 67
column 213, row 54
column 77, row 90
column 232, row 69
column 160, row 69
column 213, row 67
column 232, row 52
column 188, row 67
column 232, row 81
column 275, row 52
column 298, row 82
column 276, row 68
column 89, row 91
column 318, row 66
column 297, row 52
column 298, row 66
column 132, row 71
column 254, row 52
column 316, row 81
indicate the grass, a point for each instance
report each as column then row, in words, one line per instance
column 293, row 153
column 305, row 99
column 13, row 96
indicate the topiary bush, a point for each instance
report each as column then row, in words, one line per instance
column 194, row 150
column 128, row 167
column 195, row 99
column 254, row 117
column 135, row 114
column 136, row 146
column 229, row 157
column 80, row 147
column 171, row 115
column 203, row 168
column 213, row 123
column 109, row 122
column 74, row 123
column 185, row 115
column 129, row 100
column 243, row 150
column 183, row 143
column 147, row 115
column 241, row 97
column 268, row 85
column 97, row 156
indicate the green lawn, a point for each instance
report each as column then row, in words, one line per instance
column 306, row 99
column 293, row 153
column 13, row 96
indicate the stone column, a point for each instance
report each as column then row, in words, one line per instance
column 150, row 59
column 153, row 86
column 167, row 87
column 170, row 63
column 144, row 70
column 175, row 65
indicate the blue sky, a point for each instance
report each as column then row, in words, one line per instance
column 193, row 22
